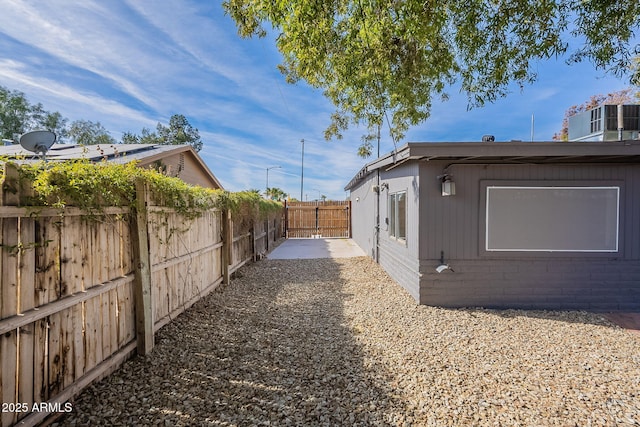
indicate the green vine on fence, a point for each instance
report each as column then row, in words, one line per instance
column 94, row 186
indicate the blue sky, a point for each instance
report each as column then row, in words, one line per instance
column 132, row 64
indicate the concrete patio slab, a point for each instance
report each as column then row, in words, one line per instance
column 628, row 321
column 316, row 248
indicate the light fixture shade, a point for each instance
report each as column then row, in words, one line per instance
column 448, row 188
column 441, row 268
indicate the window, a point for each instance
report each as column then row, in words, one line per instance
column 552, row 219
column 398, row 215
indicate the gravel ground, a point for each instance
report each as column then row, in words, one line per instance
column 337, row 342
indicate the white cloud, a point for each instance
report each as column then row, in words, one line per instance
column 86, row 105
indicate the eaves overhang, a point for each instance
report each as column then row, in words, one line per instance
column 505, row 152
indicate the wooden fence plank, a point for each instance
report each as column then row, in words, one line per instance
column 140, row 247
column 9, row 306
column 121, row 314
column 41, row 360
column 126, row 256
column 25, row 334
column 227, row 238
column 179, row 283
column 103, row 254
column 25, row 365
column 55, row 355
column 90, row 338
column 94, row 247
column 105, row 313
column 73, row 255
column 78, row 326
column 8, row 358
column 114, row 247
column 67, row 342
column 9, row 266
column 130, row 322
column 98, row 327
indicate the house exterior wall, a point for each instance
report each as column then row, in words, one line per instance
column 363, row 208
column 184, row 166
column 398, row 257
column 454, row 225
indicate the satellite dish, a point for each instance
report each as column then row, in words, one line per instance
column 38, row 141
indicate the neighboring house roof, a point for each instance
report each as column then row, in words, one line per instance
column 505, row 152
column 146, row 154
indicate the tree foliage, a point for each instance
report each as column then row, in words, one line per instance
column 275, row 193
column 624, row 96
column 85, row 132
column 18, row 116
column 178, row 132
column 387, row 61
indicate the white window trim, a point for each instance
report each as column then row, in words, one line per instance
column 393, row 234
column 514, row 187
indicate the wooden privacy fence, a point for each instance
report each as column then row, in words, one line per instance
column 79, row 294
column 318, row 219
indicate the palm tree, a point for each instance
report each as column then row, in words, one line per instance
column 275, row 193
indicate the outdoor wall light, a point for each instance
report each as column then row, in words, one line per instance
column 448, row 186
column 443, row 266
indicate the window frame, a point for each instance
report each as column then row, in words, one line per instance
column 393, row 212
column 486, row 252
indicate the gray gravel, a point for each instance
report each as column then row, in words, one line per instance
column 337, row 342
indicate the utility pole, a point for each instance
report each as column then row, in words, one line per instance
column 302, row 172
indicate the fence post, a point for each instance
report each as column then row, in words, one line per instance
column 266, row 244
column 142, row 285
column 254, row 250
column 10, row 186
column 350, row 233
column 227, row 244
column 285, row 215
column 9, row 286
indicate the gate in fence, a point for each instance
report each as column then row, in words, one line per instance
column 318, row 219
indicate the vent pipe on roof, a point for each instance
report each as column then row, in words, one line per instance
column 620, row 121
column 533, row 123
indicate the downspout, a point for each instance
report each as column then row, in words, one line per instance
column 378, row 204
column 378, row 215
column 377, row 230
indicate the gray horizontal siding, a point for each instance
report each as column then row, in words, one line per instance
column 363, row 207
column 453, row 224
column 400, row 258
column 402, row 268
column 597, row 282
column 596, row 285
